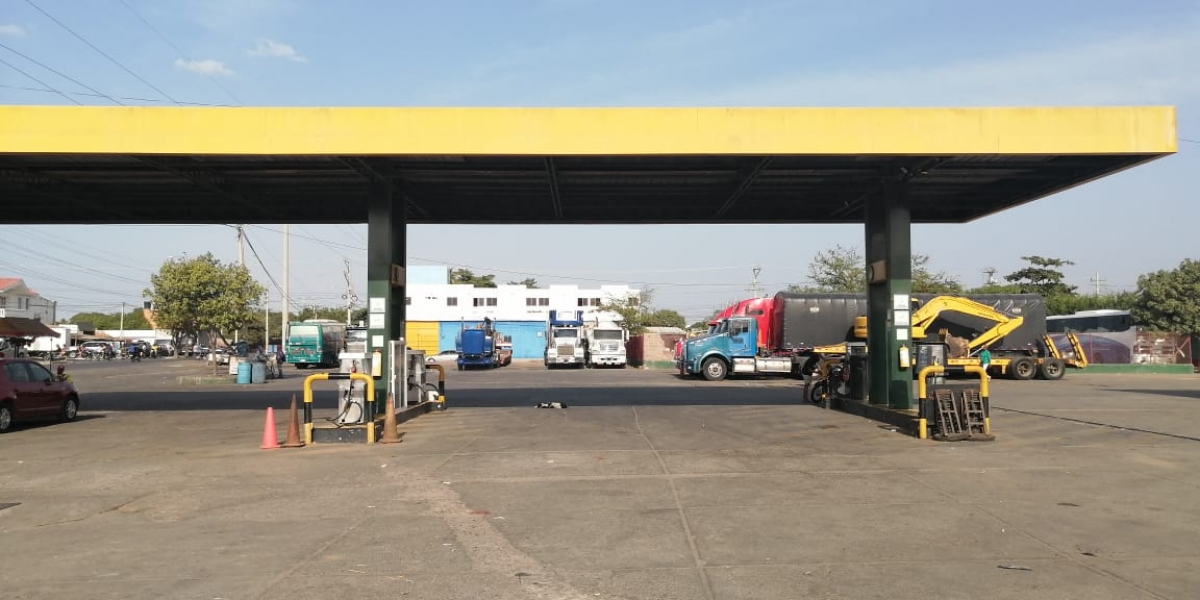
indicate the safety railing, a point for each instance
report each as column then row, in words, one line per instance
column 928, row 411
column 368, row 401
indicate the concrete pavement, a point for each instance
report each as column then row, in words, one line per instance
column 647, row 486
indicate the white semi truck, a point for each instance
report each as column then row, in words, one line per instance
column 564, row 339
column 604, row 344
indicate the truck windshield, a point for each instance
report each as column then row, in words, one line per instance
column 607, row 334
column 562, row 334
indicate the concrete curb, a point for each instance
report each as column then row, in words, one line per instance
column 205, row 379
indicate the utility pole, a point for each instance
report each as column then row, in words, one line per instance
column 267, row 321
column 755, row 289
column 241, row 241
column 1097, row 281
column 991, row 276
column 287, row 238
column 122, row 324
column 349, row 295
column 241, row 238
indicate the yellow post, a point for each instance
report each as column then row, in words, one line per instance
column 441, row 384
column 308, row 400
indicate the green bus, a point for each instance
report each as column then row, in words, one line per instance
column 315, row 343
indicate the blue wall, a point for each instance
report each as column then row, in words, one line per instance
column 527, row 343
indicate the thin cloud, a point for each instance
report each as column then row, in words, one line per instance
column 273, row 49
column 11, row 30
column 204, row 67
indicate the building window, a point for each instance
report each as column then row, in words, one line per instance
column 3, row 301
column 451, row 301
column 582, row 302
column 543, row 301
column 531, row 301
column 595, row 302
column 485, row 302
column 491, row 302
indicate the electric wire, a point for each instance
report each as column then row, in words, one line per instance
column 81, row 84
column 181, row 53
column 283, row 295
column 39, row 81
column 129, row 98
column 101, row 52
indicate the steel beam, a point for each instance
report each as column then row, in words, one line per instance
column 744, row 185
column 555, row 198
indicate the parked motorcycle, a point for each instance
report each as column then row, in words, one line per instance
column 835, row 383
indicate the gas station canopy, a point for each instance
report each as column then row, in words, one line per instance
column 102, row 165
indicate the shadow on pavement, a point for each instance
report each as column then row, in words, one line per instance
column 457, row 398
column 1194, row 394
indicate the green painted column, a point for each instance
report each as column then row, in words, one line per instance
column 385, row 277
column 889, row 286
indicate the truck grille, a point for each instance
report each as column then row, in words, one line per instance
column 608, row 347
column 566, row 349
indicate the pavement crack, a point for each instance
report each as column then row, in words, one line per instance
column 95, row 514
column 687, row 527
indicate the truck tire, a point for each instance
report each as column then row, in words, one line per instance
column 1052, row 369
column 714, row 369
column 1022, row 368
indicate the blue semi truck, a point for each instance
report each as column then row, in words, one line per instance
column 477, row 347
column 732, row 347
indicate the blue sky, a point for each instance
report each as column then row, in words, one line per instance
column 615, row 53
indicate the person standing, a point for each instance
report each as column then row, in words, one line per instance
column 985, row 360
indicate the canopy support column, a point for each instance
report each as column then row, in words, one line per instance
column 889, row 285
column 386, row 295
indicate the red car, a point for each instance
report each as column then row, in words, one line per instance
column 28, row 390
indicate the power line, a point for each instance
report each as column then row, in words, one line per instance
column 1189, row 140
column 39, row 81
column 61, row 74
column 177, row 50
column 101, row 52
column 130, row 98
column 283, row 296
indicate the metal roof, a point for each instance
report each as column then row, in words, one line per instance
column 158, row 165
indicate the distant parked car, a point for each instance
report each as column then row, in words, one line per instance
column 29, row 391
column 445, row 356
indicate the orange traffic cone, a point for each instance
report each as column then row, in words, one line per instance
column 390, row 435
column 293, row 431
column 270, row 435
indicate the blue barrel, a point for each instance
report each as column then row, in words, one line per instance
column 244, row 372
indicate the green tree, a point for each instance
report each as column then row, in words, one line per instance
column 925, row 281
column 528, row 282
column 203, row 295
column 332, row 313
column 636, row 313
column 468, row 277
column 133, row 320
column 843, row 270
column 1170, row 300
column 666, row 318
column 1042, row 276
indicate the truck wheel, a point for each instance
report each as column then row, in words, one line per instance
column 1022, row 368
column 1052, row 369
column 714, row 369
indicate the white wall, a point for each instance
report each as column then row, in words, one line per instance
column 17, row 303
column 429, row 302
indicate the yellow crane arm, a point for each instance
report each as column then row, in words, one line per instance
column 928, row 313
